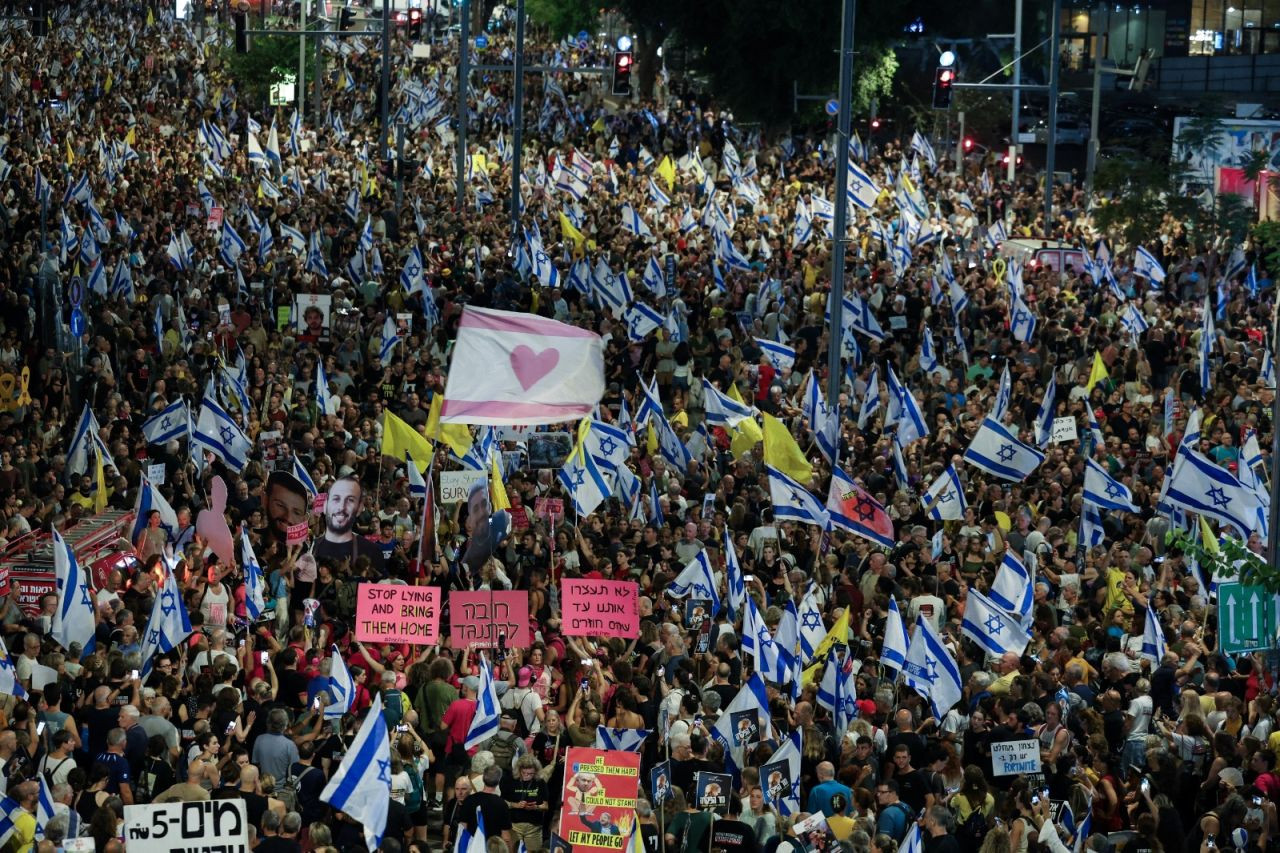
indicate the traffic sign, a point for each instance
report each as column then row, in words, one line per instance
column 833, row 107
column 583, row 35
column 1246, row 618
column 77, row 322
column 482, row 41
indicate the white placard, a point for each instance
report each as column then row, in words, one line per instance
column 1010, row 758
column 1064, row 429
column 155, row 473
column 42, row 675
column 515, row 432
column 455, row 485
column 211, row 826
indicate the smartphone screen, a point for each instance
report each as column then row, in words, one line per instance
column 264, row 658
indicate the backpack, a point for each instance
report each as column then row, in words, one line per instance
column 504, row 749
column 395, row 703
column 413, row 799
column 522, row 728
column 287, row 791
column 345, row 599
column 970, row 833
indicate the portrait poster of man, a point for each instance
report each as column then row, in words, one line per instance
column 485, row 528
column 660, row 783
column 775, row 780
column 696, row 613
column 599, row 798
column 340, row 540
column 311, row 320
column 745, row 726
column 712, row 791
column 286, row 502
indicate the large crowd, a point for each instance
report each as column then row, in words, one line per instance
column 205, row 248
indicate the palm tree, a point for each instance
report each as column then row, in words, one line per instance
column 1200, row 140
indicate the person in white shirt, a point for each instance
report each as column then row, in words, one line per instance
column 1138, row 725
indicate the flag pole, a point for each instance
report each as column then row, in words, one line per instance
column 841, row 224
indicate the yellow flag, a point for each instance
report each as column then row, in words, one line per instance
column 398, row 438
column 478, row 162
column 1097, row 373
column 151, row 18
column 456, row 436
column 1207, row 540
column 569, row 232
column 131, row 138
column 651, row 441
column 782, row 452
column 598, row 126
column 106, row 87
column 667, row 170
column 100, row 495
column 71, row 155
column 497, row 489
column 839, row 633
column 746, row 434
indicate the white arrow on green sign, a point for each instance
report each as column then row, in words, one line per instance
column 1246, row 618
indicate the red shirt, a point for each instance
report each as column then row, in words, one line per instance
column 765, row 381
column 457, row 720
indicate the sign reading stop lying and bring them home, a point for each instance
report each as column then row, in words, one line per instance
column 1246, row 618
column 398, row 614
column 212, row 826
column 601, row 608
column 1015, row 757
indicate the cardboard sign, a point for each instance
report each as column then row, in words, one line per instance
column 1064, row 429
column 600, row 790
column 33, row 584
column 1014, row 757
column 211, row 826
column 317, row 505
column 476, row 619
column 713, row 791
column 514, row 432
column 398, row 614
column 296, row 533
column 155, row 473
column 215, row 218
column 550, row 508
column 600, row 608
column 4, row 580
column 456, row 485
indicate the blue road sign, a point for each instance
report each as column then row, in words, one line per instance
column 833, row 107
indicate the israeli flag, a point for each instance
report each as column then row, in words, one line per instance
column 659, row 198
column 255, row 603
column 1153, row 647
column 582, row 479
column 999, row 452
column 893, row 654
column 361, row 787
column 389, row 340
column 811, row 628
column 793, row 502
column 1133, row 320
column 1146, row 265
column 641, row 321
column 632, row 222
column 861, row 190
column 904, row 412
column 341, row 687
column 1045, row 416
column 780, row 356
column 871, row 398
column 837, row 692
column 218, row 433
column 944, row 500
column 9, row 684
column 1092, row 533
column 169, row 624
column 991, row 627
column 930, row 669
column 608, row 445
column 787, row 801
column 928, row 354
column 484, row 724
column 623, row 740
column 721, row 409
column 231, row 246
column 758, row 642
column 1207, row 334
column 1105, row 492
column 1003, row 395
column 752, row 697
column 167, row 424
column 1198, row 485
column 1013, row 589
column 326, row 403
column 543, row 268
column 670, row 446
column 697, row 579
column 73, row 621
column 654, row 279
column 1022, row 323
column 149, row 500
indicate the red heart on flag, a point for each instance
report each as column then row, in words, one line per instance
column 531, row 367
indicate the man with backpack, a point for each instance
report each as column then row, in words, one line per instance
column 895, row 817
column 304, row 784
column 506, row 745
column 526, row 703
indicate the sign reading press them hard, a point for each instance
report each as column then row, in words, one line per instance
column 212, row 826
column 600, row 608
column 398, row 614
column 1011, row 758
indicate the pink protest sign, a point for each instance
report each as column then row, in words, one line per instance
column 398, row 614
column 296, row 533
column 476, row 619
column 600, row 608
column 317, row 505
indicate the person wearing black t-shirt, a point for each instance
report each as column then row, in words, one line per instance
column 526, row 797
column 913, row 784
column 731, row 834
column 497, row 817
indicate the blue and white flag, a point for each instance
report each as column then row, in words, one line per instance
column 721, row 409
column 781, row 356
column 1153, row 647
column 1022, row 323
column 218, row 433
column 930, row 669
column 74, row 619
column 169, row 624
column 752, row 697
column 944, row 500
column 928, row 353
column 758, row 642
column 860, row 190
column 697, row 579
column 1133, row 320
column 255, row 580
column 1092, row 533
column 83, row 443
column 150, row 500
column 1046, row 413
column 623, row 740
column 1207, row 334
column 859, row 316
column 1013, row 589
column 903, row 411
column 641, row 321
column 1000, row 453
column 1146, row 265
column 632, row 222
column 786, row 801
column 871, row 399
column 837, row 693
column 304, row 477
column 326, row 403
column 1104, row 491
column 673, row 450
column 484, row 724
column 793, row 502
column 231, row 246
column 361, row 787
column 417, row 483
column 586, row 485
column 609, row 445
column 1198, row 485
column 167, row 424
column 735, row 581
column 390, row 339
column 9, row 683
column 1004, row 394
column 341, row 687
column 992, row 627
column 893, row 654
column 812, row 629
column 654, row 279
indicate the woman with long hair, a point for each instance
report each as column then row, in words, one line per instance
column 760, row 816
column 974, row 795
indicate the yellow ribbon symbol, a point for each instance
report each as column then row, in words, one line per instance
column 998, row 266
column 24, row 392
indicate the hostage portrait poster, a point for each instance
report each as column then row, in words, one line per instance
column 600, row 792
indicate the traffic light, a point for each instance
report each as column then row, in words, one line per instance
column 968, row 144
column 346, row 18
column 622, row 64
column 943, row 78
column 241, row 21
column 415, row 23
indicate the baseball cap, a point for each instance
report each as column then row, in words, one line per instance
column 523, row 676
column 471, row 683
column 1232, row 776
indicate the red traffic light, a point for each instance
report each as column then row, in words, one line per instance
column 624, row 61
column 875, row 124
column 945, row 76
column 968, row 143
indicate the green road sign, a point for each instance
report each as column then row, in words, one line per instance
column 1246, row 618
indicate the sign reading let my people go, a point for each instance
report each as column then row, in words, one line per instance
column 601, row 608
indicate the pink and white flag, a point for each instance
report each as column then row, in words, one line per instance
column 512, row 368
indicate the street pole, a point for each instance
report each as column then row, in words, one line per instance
column 386, row 78
column 464, row 77
column 517, row 129
column 1091, row 153
column 1055, row 37
column 1017, row 93
column 1273, row 515
column 300, row 89
column 401, row 128
column 960, row 146
column 835, row 335
column 319, row 99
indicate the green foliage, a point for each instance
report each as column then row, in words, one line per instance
column 271, row 59
column 873, row 72
column 1266, row 239
column 1200, row 136
column 1233, row 560
column 1140, row 191
column 563, row 17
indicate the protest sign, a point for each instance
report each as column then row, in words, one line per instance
column 155, row 473
column 1064, row 429
column 600, row 792
column 296, row 533
column 660, row 782
column 456, row 485
column 713, row 791
column 317, row 503
column 1015, row 756
column 775, row 781
column 600, row 608
column 476, row 619
column 398, row 614
column 550, row 508
column 211, row 826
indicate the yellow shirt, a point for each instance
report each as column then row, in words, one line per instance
column 1116, row 599
column 24, row 833
column 1001, row 685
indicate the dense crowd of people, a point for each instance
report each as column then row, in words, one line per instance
column 213, row 249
